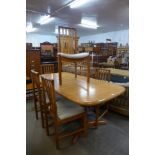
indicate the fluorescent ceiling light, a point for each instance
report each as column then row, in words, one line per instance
column 45, row 19
column 78, row 3
column 30, row 28
column 88, row 22
column 88, row 26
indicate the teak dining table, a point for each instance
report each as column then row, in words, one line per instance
column 92, row 94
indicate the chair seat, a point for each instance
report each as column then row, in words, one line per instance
column 66, row 109
column 74, row 56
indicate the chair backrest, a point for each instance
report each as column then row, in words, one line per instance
column 36, row 85
column 48, row 88
column 103, row 74
column 47, row 68
column 35, row 79
column 67, row 40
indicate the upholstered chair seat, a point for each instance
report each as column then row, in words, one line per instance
column 66, row 108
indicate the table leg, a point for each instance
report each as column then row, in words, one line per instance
column 98, row 120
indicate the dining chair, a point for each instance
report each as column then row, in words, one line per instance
column 37, row 94
column 38, row 101
column 121, row 103
column 103, row 74
column 62, row 112
column 47, row 68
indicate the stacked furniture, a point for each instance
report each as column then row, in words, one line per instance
column 49, row 54
column 67, row 40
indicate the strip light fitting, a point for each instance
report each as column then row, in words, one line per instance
column 45, row 19
column 78, row 3
column 88, row 24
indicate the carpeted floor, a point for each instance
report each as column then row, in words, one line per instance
column 109, row 139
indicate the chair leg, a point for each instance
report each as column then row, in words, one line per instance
column 85, row 126
column 47, row 126
column 36, row 109
column 42, row 116
column 75, row 138
column 42, row 120
column 57, row 138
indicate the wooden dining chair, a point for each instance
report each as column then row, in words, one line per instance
column 62, row 112
column 47, row 68
column 121, row 103
column 103, row 75
column 38, row 101
column 37, row 94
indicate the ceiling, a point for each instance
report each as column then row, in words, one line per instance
column 111, row 15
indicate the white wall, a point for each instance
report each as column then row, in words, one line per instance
column 36, row 39
column 116, row 36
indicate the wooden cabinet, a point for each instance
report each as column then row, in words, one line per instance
column 49, row 54
column 121, row 50
column 109, row 48
column 32, row 61
column 46, row 50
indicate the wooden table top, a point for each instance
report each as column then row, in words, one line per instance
column 119, row 72
column 83, row 93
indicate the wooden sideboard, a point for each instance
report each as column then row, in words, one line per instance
column 32, row 61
